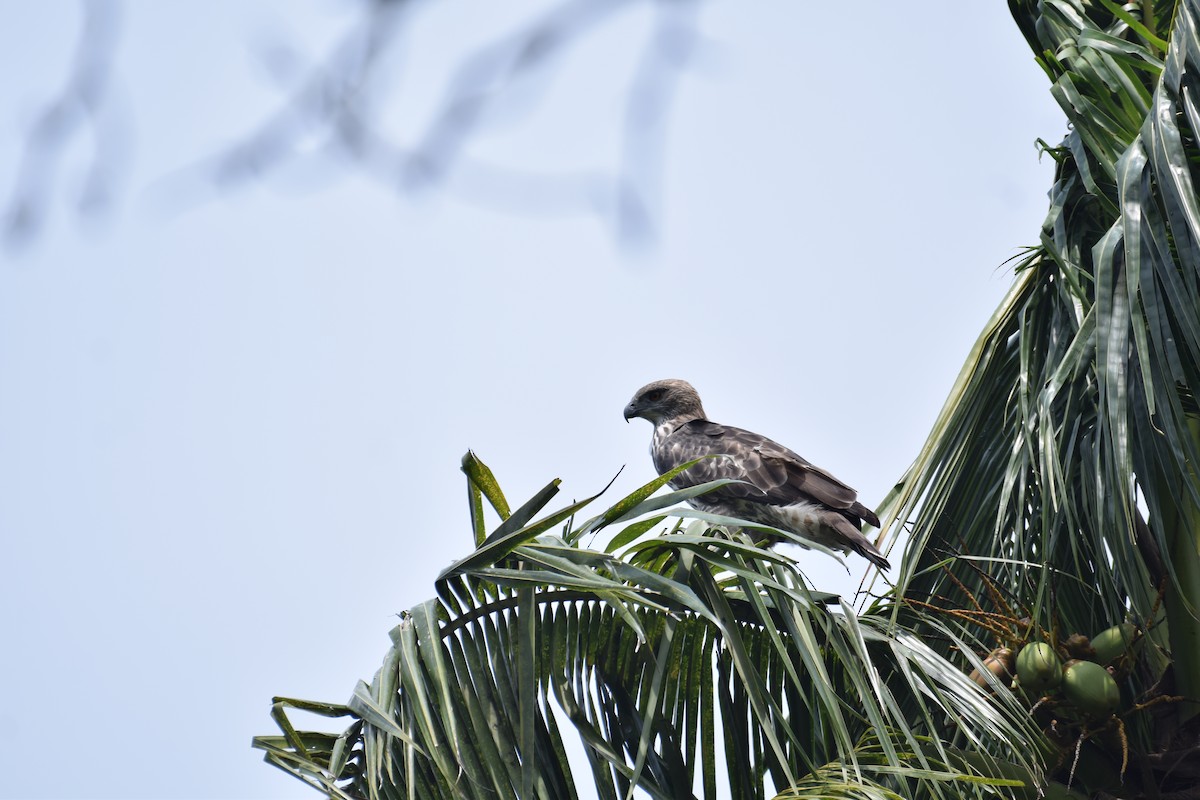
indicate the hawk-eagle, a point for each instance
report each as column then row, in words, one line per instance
column 780, row 488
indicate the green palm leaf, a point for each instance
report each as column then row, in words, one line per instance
column 639, row 654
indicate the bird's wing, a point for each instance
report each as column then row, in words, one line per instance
column 772, row 473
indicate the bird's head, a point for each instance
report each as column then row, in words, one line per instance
column 666, row 400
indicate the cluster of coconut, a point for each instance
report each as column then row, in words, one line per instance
column 1084, row 677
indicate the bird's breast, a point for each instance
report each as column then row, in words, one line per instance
column 659, row 452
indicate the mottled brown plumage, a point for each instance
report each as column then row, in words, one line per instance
column 780, row 488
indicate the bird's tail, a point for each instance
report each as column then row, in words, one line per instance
column 861, row 544
column 868, row 551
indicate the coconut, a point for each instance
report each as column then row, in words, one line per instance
column 1039, row 667
column 999, row 662
column 1091, row 689
column 1114, row 642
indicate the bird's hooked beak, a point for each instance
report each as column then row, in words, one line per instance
column 630, row 411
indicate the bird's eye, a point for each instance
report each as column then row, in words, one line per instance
column 654, row 395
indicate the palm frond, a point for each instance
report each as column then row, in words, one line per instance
column 1076, row 399
column 659, row 656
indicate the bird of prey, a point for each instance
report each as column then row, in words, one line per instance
column 779, row 488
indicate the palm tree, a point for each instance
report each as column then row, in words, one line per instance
column 1054, row 510
column 1062, row 469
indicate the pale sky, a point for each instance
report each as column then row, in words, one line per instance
column 231, row 424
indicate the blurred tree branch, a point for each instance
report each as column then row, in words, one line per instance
column 79, row 108
column 337, row 102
